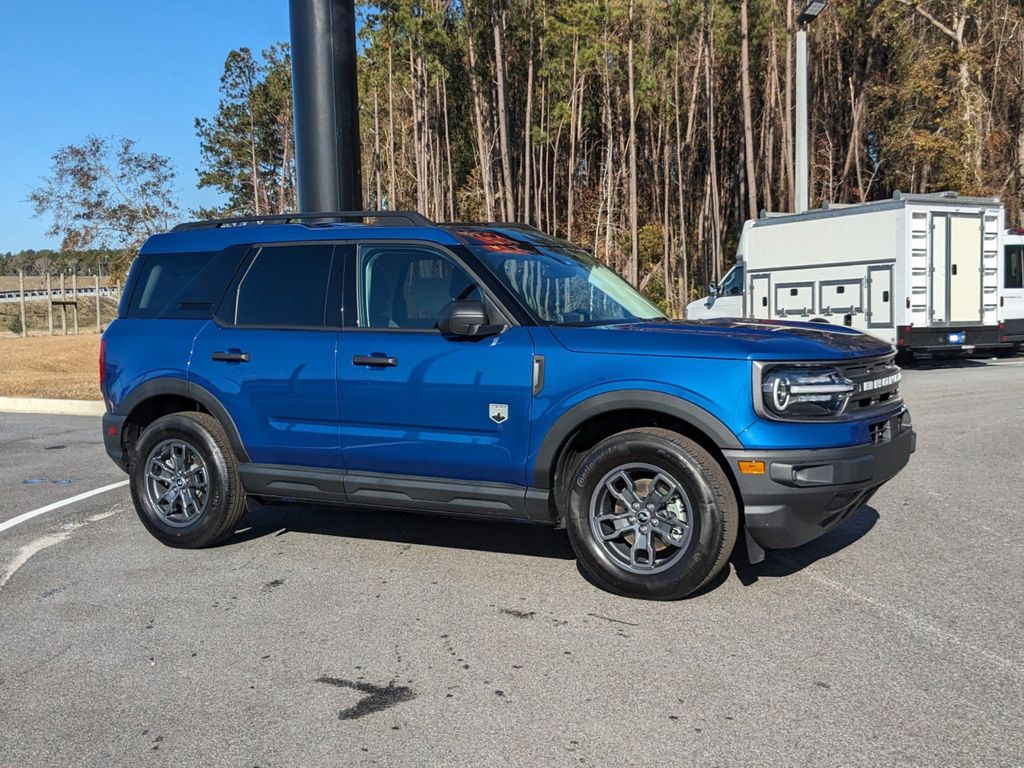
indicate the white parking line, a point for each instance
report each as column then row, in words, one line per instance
column 58, row 504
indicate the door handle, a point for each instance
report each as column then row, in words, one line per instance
column 379, row 361
column 230, row 357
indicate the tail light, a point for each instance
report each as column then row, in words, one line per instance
column 103, row 361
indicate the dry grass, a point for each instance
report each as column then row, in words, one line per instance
column 44, row 366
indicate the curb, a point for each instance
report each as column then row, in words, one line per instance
column 51, row 406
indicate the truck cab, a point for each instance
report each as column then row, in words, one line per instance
column 724, row 299
column 1011, row 302
column 376, row 359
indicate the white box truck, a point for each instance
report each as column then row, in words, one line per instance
column 922, row 272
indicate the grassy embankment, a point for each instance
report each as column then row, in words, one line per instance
column 45, row 366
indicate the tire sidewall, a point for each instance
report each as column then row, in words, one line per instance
column 708, row 527
column 210, row 523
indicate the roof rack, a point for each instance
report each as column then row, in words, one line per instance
column 408, row 218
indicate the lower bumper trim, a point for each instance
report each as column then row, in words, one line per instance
column 804, row 494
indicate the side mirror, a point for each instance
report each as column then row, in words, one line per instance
column 467, row 319
column 712, row 289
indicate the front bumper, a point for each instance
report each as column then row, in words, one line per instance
column 804, row 494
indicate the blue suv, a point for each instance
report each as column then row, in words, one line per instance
column 482, row 370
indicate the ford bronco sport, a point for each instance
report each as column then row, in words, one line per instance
column 485, row 370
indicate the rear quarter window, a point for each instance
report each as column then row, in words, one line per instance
column 181, row 285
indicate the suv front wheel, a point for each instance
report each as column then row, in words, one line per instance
column 185, row 482
column 650, row 514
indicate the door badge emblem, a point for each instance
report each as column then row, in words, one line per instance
column 498, row 412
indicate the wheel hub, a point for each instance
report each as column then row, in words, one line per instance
column 642, row 518
column 177, row 482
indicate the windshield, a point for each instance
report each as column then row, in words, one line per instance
column 560, row 283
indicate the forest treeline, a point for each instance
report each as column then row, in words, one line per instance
column 646, row 130
column 649, row 130
column 45, row 261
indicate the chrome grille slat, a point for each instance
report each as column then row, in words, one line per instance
column 869, row 399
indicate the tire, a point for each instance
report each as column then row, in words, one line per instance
column 1008, row 351
column 190, row 452
column 693, row 501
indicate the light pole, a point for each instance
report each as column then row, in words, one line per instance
column 802, row 181
column 325, row 95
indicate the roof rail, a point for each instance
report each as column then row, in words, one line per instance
column 408, row 218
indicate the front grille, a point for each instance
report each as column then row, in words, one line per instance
column 878, row 386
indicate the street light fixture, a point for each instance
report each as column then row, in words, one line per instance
column 810, row 13
column 802, row 180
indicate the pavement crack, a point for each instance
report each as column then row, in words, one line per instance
column 518, row 614
column 614, row 621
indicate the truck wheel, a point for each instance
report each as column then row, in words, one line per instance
column 184, row 481
column 651, row 514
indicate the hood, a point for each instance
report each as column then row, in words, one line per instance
column 723, row 338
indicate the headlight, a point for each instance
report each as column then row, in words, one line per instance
column 805, row 393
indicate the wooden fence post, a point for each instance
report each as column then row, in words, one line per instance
column 21, row 290
column 63, row 307
column 49, row 305
column 74, row 297
column 97, row 284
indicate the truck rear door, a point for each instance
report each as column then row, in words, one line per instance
column 965, row 268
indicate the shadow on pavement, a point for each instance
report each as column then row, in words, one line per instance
column 785, row 562
column 513, row 538
column 956, row 361
column 404, row 528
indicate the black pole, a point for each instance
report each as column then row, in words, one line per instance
column 325, row 101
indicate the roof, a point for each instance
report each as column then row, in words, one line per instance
column 217, row 234
column 897, row 201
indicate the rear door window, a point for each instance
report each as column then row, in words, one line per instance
column 287, row 286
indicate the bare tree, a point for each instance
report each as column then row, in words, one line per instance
column 105, row 193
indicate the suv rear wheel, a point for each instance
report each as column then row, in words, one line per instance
column 650, row 514
column 185, row 482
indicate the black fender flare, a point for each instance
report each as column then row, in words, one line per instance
column 625, row 400
column 169, row 385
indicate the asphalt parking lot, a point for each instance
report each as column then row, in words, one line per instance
column 320, row 636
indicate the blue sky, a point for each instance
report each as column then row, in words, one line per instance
column 143, row 69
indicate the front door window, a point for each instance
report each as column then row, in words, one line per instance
column 405, row 287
